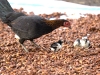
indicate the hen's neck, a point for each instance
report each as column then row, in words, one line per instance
column 54, row 23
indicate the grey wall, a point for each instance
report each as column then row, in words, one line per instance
column 86, row 2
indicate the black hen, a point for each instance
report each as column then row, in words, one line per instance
column 31, row 27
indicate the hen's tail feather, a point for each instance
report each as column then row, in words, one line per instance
column 7, row 14
column 5, row 8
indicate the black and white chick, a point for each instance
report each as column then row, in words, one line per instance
column 56, row 45
column 83, row 43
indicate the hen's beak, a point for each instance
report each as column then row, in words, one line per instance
column 70, row 27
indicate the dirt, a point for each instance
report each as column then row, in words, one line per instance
column 67, row 61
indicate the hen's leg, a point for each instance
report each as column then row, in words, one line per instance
column 21, row 42
column 38, row 46
column 35, row 44
column 24, row 48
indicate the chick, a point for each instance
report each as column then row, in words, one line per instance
column 84, row 42
column 76, row 43
column 56, row 46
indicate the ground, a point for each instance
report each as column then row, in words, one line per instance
column 67, row 61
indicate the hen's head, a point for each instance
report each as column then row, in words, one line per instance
column 67, row 24
column 57, row 23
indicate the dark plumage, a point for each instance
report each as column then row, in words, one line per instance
column 31, row 27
